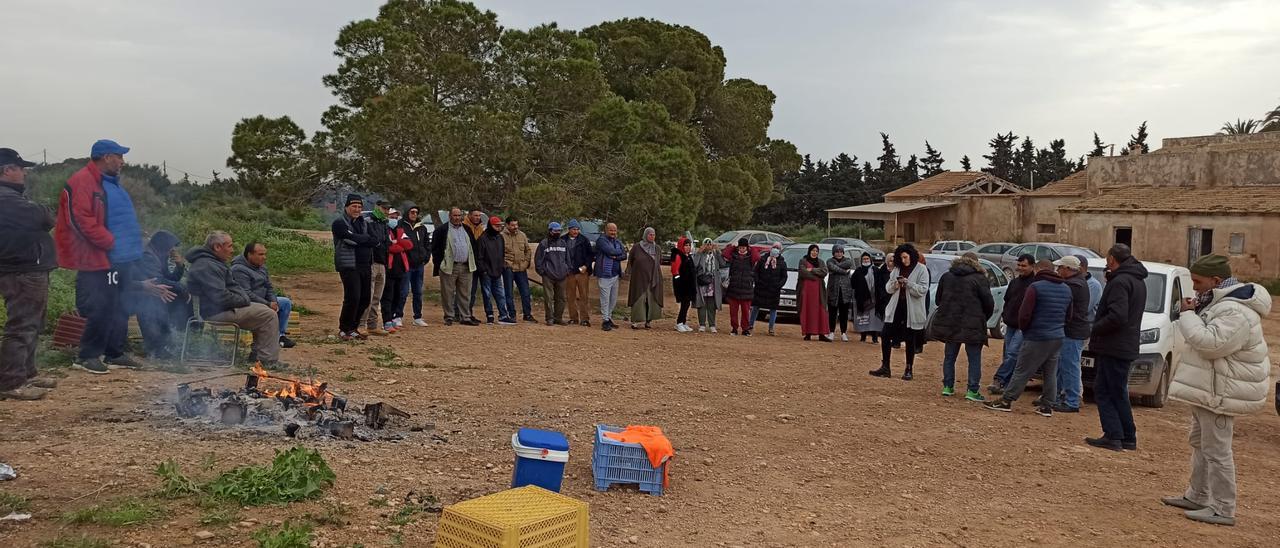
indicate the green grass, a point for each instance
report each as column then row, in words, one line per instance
column 13, row 502
column 82, row 541
column 294, row 474
column 116, row 514
column 288, row 536
column 172, row 483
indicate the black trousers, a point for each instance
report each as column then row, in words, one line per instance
column 106, row 320
column 355, row 297
column 840, row 311
column 25, row 296
column 684, row 312
column 391, row 297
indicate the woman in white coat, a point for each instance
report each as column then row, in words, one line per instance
column 1222, row 372
column 904, row 316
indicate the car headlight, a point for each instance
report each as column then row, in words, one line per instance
column 1149, row 336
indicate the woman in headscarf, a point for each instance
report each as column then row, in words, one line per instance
column 839, row 291
column 771, row 275
column 644, row 295
column 905, row 316
column 709, row 267
column 811, row 296
column 683, row 282
column 868, row 284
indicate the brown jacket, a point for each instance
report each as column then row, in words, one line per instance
column 518, row 257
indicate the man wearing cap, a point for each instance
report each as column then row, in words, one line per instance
column 26, row 258
column 98, row 236
column 377, row 221
column 1223, row 373
column 579, row 281
column 1114, row 340
column 353, row 245
column 551, row 260
column 453, row 250
column 490, row 262
column 1075, row 333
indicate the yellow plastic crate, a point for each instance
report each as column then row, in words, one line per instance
column 526, row 517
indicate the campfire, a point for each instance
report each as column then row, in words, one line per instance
column 269, row 400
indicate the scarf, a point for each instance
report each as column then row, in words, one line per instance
column 649, row 247
column 813, row 261
column 1203, row 299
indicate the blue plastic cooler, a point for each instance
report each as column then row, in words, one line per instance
column 540, row 458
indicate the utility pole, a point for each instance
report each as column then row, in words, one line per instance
column 164, row 167
column 45, row 152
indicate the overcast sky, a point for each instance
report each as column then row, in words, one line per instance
column 170, row 78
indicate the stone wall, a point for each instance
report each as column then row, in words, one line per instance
column 1213, row 160
column 1163, row 237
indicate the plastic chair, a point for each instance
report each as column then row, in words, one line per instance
column 198, row 320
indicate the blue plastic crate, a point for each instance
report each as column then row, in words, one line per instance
column 614, row 462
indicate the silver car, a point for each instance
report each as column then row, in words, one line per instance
column 1042, row 250
column 855, row 247
column 999, row 282
column 994, row 252
column 952, row 247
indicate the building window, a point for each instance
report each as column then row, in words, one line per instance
column 948, row 225
column 1043, row 228
column 1237, row 243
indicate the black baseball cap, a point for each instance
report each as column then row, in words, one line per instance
column 9, row 156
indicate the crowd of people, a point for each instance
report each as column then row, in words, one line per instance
column 1052, row 310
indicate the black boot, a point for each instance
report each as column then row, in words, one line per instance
column 906, row 375
column 882, row 372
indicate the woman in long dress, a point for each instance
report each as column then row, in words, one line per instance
column 644, row 295
column 904, row 316
column 868, row 283
column 811, row 296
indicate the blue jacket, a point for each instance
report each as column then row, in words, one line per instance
column 122, row 221
column 1046, row 307
column 609, row 257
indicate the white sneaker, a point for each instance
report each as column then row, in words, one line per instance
column 713, row 329
column 399, row 322
column 702, row 329
column 680, row 328
column 831, row 335
column 844, row 337
column 420, row 322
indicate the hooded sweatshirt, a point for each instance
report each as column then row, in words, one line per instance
column 210, row 280
column 254, row 280
column 1224, row 366
column 551, row 260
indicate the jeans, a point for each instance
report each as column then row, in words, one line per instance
column 1213, row 468
column 493, row 290
column 755, row 313
column 1069, row 384
column 355, row 297
column 412, row 282
column 1111, row 392
column 1012, row 345
column 608, row 297
column 26, row 295
column 286, row 307
column 520, row 281
column 974, row 353
column 1036, row 356
column 106, row 321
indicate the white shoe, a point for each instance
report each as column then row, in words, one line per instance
column 399, row 322
column 420, row 322
column 844, row 337
column 713, row 329
column 680, row 328
column 831, row 335
column 702, row 329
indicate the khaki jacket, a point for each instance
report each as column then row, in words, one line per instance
column 518, row 257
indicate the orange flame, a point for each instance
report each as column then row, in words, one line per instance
column 313, row 395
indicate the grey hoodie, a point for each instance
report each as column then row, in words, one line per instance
column 254, row 280
column 209, row 279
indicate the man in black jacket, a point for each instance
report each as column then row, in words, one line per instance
column 578, row 285
column 1012, row 335
column 222, row 300
column 490, row 260
column 26, row 257
column 1114, row 341
column 453, row 250
column 353, row 245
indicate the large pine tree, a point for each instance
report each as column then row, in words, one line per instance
column 1024, row 164
column 965, row 163
column 932, row 161
column 1099, row 149
column 1000, row 161
column 1140, row 139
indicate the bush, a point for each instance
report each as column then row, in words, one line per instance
column 295, row 474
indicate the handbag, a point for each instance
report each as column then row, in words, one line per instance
column 705, row 279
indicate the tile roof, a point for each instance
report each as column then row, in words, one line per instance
column 1258, row 200
column 1072, row 185
column 940, row 184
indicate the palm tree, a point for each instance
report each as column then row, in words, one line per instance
column 1271, row 120
column 1240, row 127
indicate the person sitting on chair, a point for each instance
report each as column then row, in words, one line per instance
column 221, row 299
column 250, row 272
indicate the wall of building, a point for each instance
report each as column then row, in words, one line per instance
column 1214, row 160
column 1163, row 237
column 1043, row 210
column 988, row 218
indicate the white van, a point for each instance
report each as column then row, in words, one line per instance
column 1167, row 286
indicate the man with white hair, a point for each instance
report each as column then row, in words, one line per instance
column 223, row 300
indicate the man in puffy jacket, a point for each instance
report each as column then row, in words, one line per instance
column 551, row 261
column 1221, row 374
column 515, row 275
column 1114, row 340
column 1043, row 316
column 26, row 258
column 250, row 272
column 353, row 245
column 964, row 304
column 1012, row 335
column 491, row 259
column 223, row 300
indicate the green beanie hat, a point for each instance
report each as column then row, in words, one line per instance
column 1212, row 266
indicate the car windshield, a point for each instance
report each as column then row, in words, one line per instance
column 590, row 227
column 727, row 237
column 1155, row 289
column 1065, row 250
column 936, row 269
column 792, row 255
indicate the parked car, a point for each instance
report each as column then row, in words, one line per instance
column 939, row 264
column 994, row 252
column 758, row 239
column 1167, row 286
column 952, row 247
column 855, row 247
column 792, row 254
column 1042, row 250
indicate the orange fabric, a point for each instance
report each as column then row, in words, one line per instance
column 655, row 444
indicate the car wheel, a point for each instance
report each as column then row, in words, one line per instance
column 1009, row 273
column 999, row 331
column 1157, row 400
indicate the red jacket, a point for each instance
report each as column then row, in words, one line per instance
column 398, row 251
column 730, row 250
column 81, row 235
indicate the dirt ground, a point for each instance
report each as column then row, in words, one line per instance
column 779, row 443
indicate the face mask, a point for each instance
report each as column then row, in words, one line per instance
column 775, row 252
column 866, row 263
column 393, row 222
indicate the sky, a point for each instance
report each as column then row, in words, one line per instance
column 171, row 78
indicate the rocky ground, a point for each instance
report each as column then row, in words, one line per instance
column 779, row 443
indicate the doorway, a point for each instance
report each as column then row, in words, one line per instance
column 1199, row 243
column 909, row 232
column 1124, row 235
